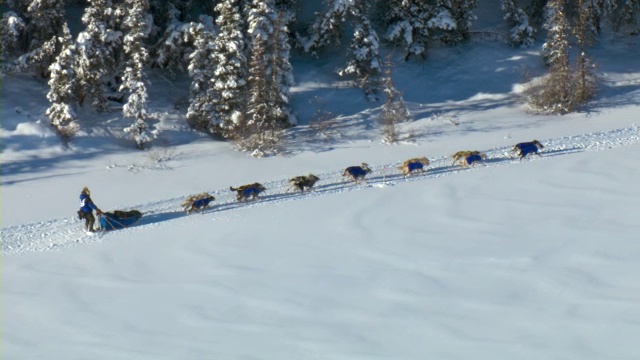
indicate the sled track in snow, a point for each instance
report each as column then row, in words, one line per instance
column 61, row 233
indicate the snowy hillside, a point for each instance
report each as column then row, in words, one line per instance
column 532, row 259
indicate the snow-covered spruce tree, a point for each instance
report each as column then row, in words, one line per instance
column 626, row 16
column 43, row 22
column 406, row 24
column 282, row 71
column 172, row 51
column 12, row 29
column 328, row 26
column 363, row 62
column 63, row 88
column 394, row 111
column 554, row 93
column 133, row 80
column 267, row 25
column 258, row 103
column 229, row 63
column 98, row 51
column 458, row 11
column 201, row 69
column 585, row 33
column 521, row 33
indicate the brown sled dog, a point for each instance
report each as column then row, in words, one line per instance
column 248, row 190
column 197, row 202
column 468, row 158
column 303, row 181
column 414, row 164
column 463, row 154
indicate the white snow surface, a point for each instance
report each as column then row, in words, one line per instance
column 512, row 259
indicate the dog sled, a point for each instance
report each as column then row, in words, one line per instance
column 119, row 219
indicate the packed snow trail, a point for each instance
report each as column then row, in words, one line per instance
column 59, row 233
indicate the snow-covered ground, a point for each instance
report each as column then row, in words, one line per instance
column 532, row 259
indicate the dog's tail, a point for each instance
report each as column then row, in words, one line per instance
column 232, row 188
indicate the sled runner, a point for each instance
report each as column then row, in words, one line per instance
column 119, row 219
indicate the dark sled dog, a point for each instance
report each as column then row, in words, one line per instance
column 303, row 181
column 525, row 148
column 356, row 173
column 414, row 164
column 248, row 191
column 197, row 202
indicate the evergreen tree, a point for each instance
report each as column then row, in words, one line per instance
column 46, row 20
column 521, row 33
column 229, row 69
column 364, row 60
column 584, row 82
column 394, row 111
column 12, row 29
column 63, row 86
column 407, row 24
column 98, row 51
column 133, row 80
column 282, row 73
column 201, row 70
column 172, row 51
column 258, row 105
column 626, row 16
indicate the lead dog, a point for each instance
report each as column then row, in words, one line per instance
column 525, row 148
column 303, row 181
column 414, row 164
column 197, row 202
column 248, row 190
column 356, row 173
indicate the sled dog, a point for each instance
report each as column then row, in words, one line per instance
column 303, row 181
column 197, row 202
column 356, row 173
column 414, row 164
column 248, row 191
column 525, row 148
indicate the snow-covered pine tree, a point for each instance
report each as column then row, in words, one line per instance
column 12, row 29
column 229, row 63
column 521, row 33
column 585, row 33
column 98, row 51
column 364, row 59
column 394, row 111
column 63, row 87
column 172, row 51
column 364, row 62
column 133, row 80
column 260, row 106
column 406, row 23
column 44, row 21
column 201, row 70
column 626, row 17
column 554, row 93
column 327, row 27
column 282, row 71
column 451, row 20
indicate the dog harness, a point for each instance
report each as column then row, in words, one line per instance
column 252, row 191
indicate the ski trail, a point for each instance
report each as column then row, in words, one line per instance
column 61, row 233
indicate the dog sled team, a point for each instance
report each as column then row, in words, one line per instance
column 200, row 202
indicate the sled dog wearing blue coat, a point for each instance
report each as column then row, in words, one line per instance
column 525, row 148
column 414, row 164
column 248, row 191
column 356, row 173
column 197, row 202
